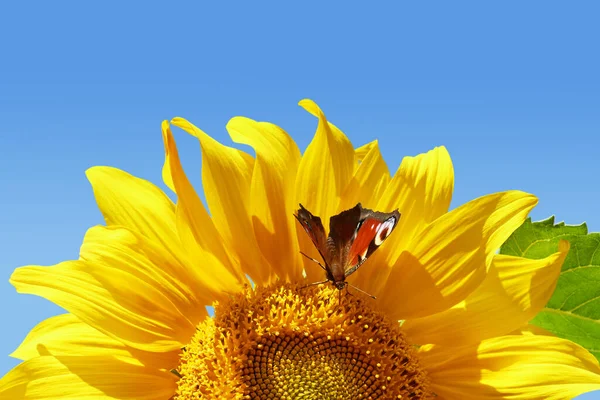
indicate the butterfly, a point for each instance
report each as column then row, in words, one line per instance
column 354, row 235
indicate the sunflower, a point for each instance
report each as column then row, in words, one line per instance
column 450, row 318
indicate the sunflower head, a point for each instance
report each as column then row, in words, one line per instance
column 289, row 342
column 137, row 294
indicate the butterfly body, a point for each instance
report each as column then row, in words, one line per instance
column 354, row 235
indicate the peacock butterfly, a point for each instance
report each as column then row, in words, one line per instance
column 354, row 235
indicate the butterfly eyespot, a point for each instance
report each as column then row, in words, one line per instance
column 357, row 229
column 384, row 231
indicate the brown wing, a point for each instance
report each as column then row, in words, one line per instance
column 341, row 234
column 314, row 228
column 342, row 227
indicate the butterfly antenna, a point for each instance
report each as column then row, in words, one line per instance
column 315, row 261
column 362, row 291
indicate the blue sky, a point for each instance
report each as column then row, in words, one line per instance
column 512, row 89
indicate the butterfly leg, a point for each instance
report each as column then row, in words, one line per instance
column 362, row 291
column 314, row 284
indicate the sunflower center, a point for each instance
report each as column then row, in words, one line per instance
column 283, row 342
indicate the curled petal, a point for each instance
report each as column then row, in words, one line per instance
column 198, row 235
column 272, row 192
column 226, row 177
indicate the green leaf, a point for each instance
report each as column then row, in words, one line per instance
column 573, row 312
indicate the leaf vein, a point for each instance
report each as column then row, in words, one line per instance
column 541, row 240
column 579, row 267
column 584, row 303
column 561, row 312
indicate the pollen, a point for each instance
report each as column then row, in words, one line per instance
column 288, row 342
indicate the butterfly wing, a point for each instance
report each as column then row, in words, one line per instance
column 354, row 235
column 371, row 231
column 314, row 228
column 342, row 229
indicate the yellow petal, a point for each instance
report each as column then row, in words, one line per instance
column 226, row 177
column 126, row 314
column 135, row 204
column 124, row 290
column 513, row 292
column 272, row 192
column 324, row 172
column 361, row 152
column 421, row 190
column 66, row 335
column 369, row 181
column 511, row 367
column 326, row 167
column 85, row 378
column 167, row 170
column 451, row 257
column 111, row 248
column 200, row 239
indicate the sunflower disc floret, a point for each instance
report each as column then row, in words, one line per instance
column 285, row 342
